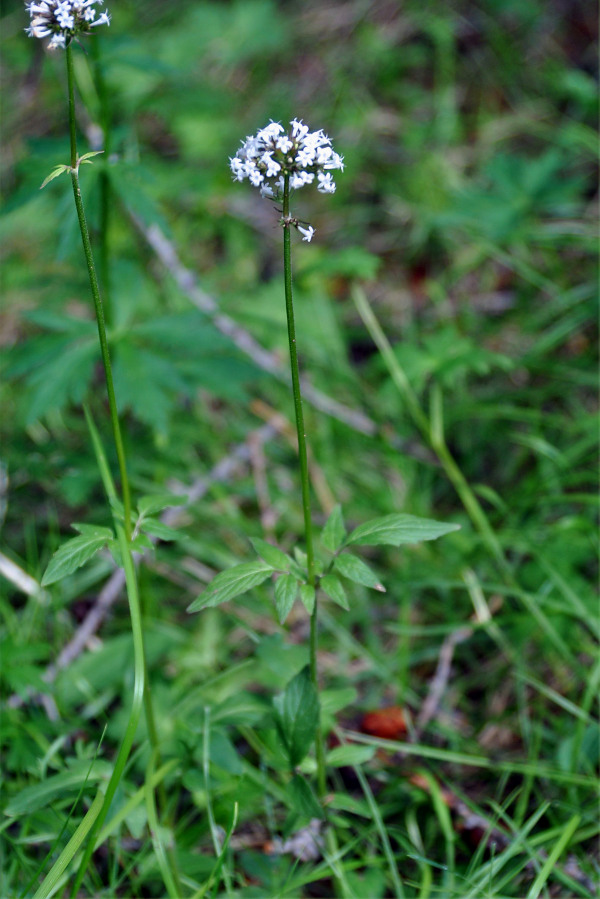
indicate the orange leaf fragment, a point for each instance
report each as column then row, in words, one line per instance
column 388, row 723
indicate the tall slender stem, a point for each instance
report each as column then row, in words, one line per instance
column 99, row 310
column 304, row 474
column 103, row 179
column 141, row 690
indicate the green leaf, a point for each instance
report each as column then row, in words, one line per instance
column 118, row 508
column 139, row 544
column 307, row 597
column 396, row 529
column 271, row 554
column 301, row 558
column 87, row 156
column 158, row 529
column 297, row 716
column 242, row 708
column 150, row 505
column 350, row 755
column 60, row 374
column 304, row 802
column 76, row 552
column 148, row 384
column 356, row 570
column 286, row 590
column 334, row 531
column 234, row 582
column 54, row 174
column 57, row 787
column 331, row 585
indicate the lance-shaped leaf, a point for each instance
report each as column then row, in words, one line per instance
column 297, row 716
column 331, row 585
column 397, row 529
column 150, row 505
column 230, row 583
column 163, row 531
column 307, row 597
column 341, row 756
column 304, row 802
column 334, row 531
column 286, row 590
column 58, row 170
column 271, row 554
column 356, row 570
column 76, row 552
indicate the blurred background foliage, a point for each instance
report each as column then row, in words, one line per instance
column 467, row 210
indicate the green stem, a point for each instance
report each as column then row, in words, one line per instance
column 103, row 179
column 136, row 706
column 141, row 691
column 304, row 474
column 87, row 249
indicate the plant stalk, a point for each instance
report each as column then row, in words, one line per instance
column 98, row 308
column 304, row 473
column 141, row 692
column 104, row 185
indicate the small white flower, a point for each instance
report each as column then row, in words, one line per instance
column 298, row 129
column 305, row 156
column 299, row 179
column 307, row 233
column 326, row 183
column 273, row 168
column 63, row 20
column 284, row 144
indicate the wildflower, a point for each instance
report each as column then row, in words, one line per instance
column 307, row 233
column 272, row 153
column 63, row 20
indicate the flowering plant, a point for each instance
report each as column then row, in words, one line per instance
column 63, row 20
column 273, row 155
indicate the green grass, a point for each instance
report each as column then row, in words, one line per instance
column 448, row 301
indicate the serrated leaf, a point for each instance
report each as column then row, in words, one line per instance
column 350, row 754
column 301, row 558
column 396, row 529
column 60, row 374
column 304, row 802
column 358, row 571
column 271, row 554
column 331, row 585
column 141, row 543
column 87, row 156
column 59, row 170
column 157, row 529
column 147, row 383
column 286, row 590
column 150, row 505
column 92, row 530
column 231, row 583
column 307, row 597
column 297, row 716
column 76, row 552
column 332, row 535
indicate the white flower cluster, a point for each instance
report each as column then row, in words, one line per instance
column 267, row 157
column 62, row 20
